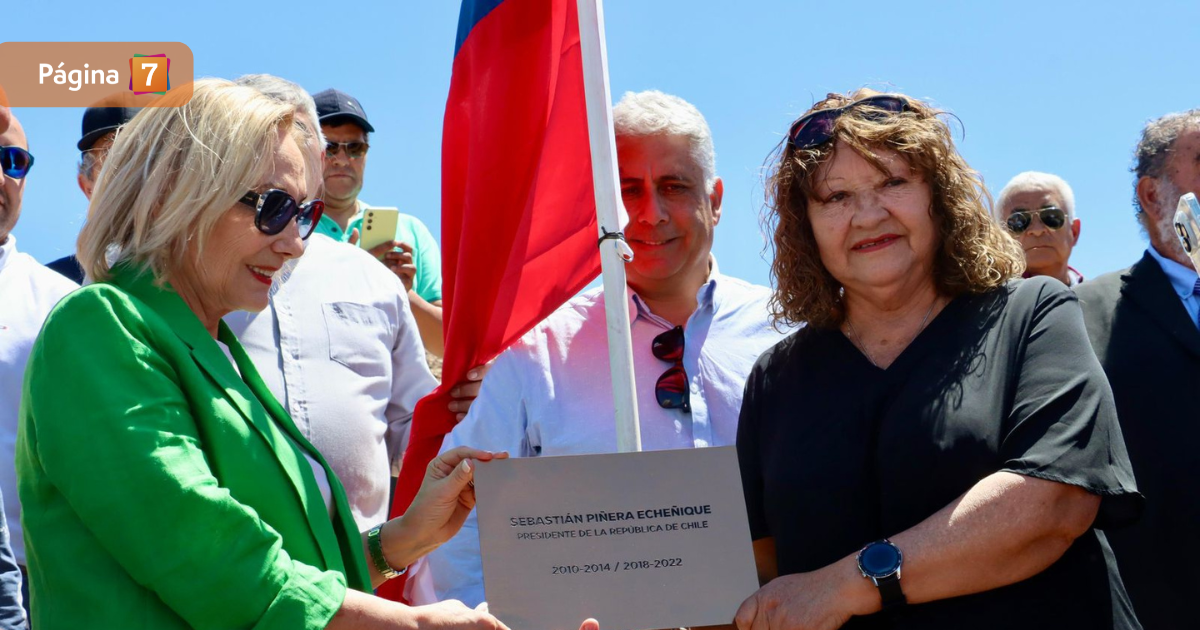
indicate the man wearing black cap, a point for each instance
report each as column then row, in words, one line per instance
column 418, row 261
column 100, row 126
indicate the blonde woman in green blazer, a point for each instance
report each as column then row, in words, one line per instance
column 162, row 485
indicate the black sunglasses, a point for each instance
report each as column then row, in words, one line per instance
column 354, row 150
column 1052, row 217
column 15, row 162
column 275, row 208
column 816, row 128
column 671, row 390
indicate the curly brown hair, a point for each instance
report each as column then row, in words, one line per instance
column 974, row 253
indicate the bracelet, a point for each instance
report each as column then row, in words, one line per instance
column 375, row 549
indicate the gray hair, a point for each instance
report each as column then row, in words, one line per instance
column 288, row 92
column 1034, row 180
column 653, row 113
column 1157, row 142
column 87, row 163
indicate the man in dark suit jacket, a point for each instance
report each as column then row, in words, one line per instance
column 1143, row 325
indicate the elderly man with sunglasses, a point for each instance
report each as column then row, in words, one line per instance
column 414, row 255
column 1144, row 324
column 1039, row 211
column 28, row 291
column 696, row 332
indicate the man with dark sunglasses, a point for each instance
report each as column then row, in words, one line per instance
column 1144, row 324
column 1039, row 211
column 28, row 291
column 696, row 333
column 414, row 255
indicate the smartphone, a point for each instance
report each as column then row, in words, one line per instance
column 378, row 227
column 1187, row 228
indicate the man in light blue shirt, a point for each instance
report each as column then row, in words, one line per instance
column 696, row 333
column 1143, row 324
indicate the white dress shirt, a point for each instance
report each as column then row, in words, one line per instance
column 551, row 394
column 338, row 346
column 28, row 291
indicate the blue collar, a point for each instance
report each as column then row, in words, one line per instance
column 1183, row 279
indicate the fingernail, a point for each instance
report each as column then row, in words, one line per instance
column 466, row 465
column 460, row 417
column 472, row 375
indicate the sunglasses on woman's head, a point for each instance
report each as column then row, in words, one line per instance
column 1052, row 217
column 671, row 390
column 816, row 128
column 275, row 208
column 15, row 162
column 354, row 150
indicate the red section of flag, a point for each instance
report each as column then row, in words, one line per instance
column 518, row 207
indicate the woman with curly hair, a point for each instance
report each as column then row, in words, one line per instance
column 937, row 446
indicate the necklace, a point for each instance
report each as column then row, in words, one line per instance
column 861, row 346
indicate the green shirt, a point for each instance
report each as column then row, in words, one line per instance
column 409, row 229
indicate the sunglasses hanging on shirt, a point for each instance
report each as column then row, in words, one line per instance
column 671, row 390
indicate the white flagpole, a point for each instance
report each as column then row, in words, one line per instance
column 611, row 217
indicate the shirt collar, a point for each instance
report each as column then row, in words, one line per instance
column 1074, row 276
column 706, row 296
column 8, row 251
column 1183, row 279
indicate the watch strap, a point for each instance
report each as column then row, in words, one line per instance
column 890, row 592
column 375, row 550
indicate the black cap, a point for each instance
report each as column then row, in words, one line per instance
column 98, row 121
column 334, row 105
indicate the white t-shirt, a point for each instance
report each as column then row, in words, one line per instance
column 28, row 291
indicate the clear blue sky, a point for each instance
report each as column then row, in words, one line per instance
column 1063, row 87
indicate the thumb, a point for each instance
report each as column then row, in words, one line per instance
column 463, row 474
column 353, row 240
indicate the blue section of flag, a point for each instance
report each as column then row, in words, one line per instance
column 472, row 11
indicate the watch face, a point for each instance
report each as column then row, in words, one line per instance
column 879, row 560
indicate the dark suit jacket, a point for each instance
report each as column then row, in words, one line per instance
column 69, row 267
column 1150, row 350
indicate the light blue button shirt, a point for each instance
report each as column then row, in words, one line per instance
column 1183, row 280
column 551, row 394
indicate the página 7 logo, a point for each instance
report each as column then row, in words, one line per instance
column 77, row 78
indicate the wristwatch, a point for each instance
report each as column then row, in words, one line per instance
column 880, row 562
column 375, row 550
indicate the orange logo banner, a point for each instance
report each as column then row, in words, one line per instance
column 87, row 74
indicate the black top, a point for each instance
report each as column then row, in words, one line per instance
column 836, row 453
column 69, row 267
column 1150, row 350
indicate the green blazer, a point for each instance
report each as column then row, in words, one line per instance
column 160, row 489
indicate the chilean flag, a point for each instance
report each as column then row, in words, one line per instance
column 518, row 207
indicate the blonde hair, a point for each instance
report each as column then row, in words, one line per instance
column 173, row 171
column 974, row 254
